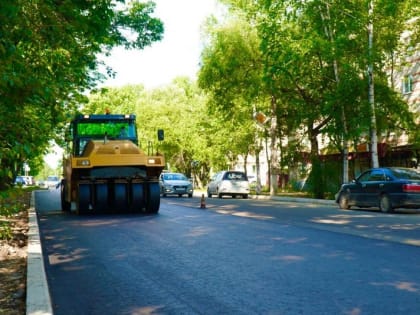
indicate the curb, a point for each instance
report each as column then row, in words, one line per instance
column 38, row 300
column 294, row 199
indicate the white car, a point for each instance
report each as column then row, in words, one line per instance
column 52, row 182
column 20, row 181
column 229, row 183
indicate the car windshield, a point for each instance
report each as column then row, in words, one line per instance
column 235, row 176
column 52, row 178
column 405, row 173
column 174, row 177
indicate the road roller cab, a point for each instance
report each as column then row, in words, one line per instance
column 105, row 169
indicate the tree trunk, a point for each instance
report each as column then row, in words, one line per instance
column 273, row 148
column 257, row 164
column 373, row 132
column 316, row 177
column 330, row 34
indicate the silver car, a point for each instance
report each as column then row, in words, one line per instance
column 229, row 183
column 52, row 182
column 175, row 184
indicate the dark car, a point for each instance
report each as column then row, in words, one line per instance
column 387, row 188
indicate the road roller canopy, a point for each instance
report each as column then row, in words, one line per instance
column 97, row 127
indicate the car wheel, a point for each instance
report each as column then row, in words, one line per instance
column 189, row 195
column 208, row 193
column 245, row 196
column 219, row 195
column 385, row 204
column 343, row 202
column 179, row 195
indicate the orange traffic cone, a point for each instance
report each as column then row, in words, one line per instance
column 203, row 202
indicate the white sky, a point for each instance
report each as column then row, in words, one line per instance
column 177, row 54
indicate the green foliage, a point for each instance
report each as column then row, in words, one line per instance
column 314, row 56
column 48, row 59
column 10, row 204
column 231, row 74
column 178, row 109
column 301, row 62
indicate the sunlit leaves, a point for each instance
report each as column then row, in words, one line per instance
column 178, row 109
column 48, row 59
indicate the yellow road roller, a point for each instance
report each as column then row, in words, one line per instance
column 104, row 168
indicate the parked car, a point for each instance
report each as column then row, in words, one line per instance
column 387, row 188
column 228, row 183
column 29, row 180
column 175, row 184
column 52, row 182
column 20, row 181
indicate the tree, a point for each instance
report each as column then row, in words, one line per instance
column 48, row 59
column 315, row 56
column 178, row 109
column 231, row 73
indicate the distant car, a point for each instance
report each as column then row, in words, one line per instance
column 228, row 183
column 20, row 181
column 52, row 182
column 175, row 184
column 40, row 183
column 29, row 180
column 387, row 188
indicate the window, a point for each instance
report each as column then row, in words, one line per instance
column 411, row 174
column 235, row 176
column 407, row 84
column 377, row 175
column 364, row 177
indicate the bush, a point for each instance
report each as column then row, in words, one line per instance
column 324, row 179
column 11, row 202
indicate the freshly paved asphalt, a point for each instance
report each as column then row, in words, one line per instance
column 38, row 297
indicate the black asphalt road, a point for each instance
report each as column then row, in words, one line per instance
column 231, row 258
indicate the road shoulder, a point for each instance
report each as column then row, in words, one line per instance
column 38, row 299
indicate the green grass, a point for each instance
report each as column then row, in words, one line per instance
column 12, row 201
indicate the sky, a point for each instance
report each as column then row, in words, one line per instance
column 177, row 54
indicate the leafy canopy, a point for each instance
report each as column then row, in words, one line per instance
column 48, row 59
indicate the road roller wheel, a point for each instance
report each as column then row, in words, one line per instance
column 152, row 198
column 83, row 199
column 120, row 196
column 137, row 197
column 101, row 196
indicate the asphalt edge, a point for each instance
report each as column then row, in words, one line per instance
column 38, row 300
column 199, row 193
column 294, row 199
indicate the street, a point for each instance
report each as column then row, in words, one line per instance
column 235, row 257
